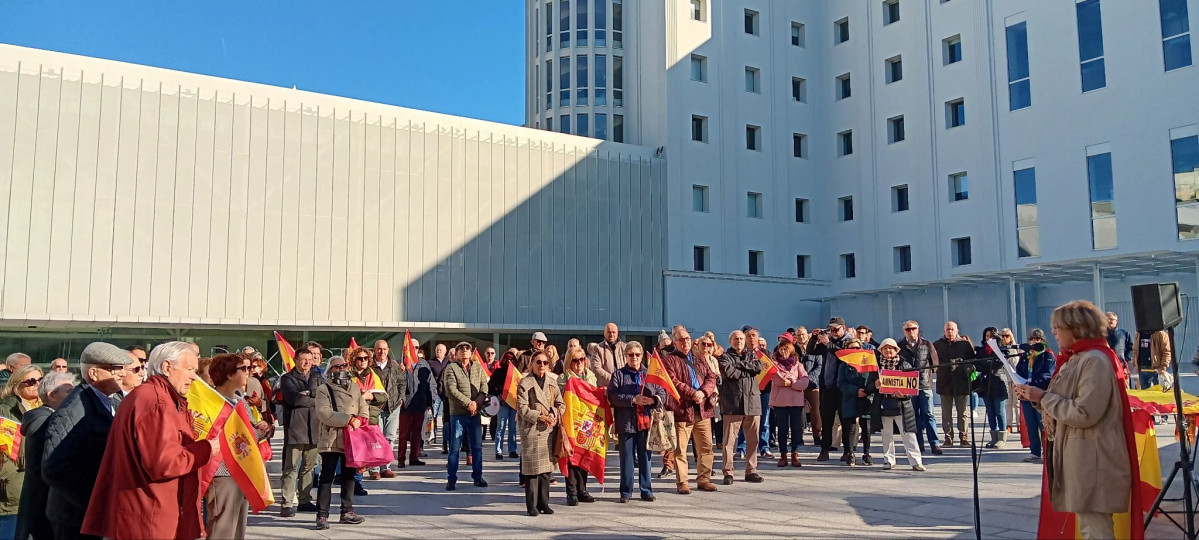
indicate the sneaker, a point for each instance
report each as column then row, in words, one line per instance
column 767, row 454
column 1032, row 459
column 739, row 456
column 351, row 518
column 919, row 468
column 416, row 463
column 666, row 472
column 586, row 498
column 513, row 455
column 499, row 456
column 867, row 461
column 547, row 510
column 480, row 483
column 888, row 466
column 647, row 498
column 307, row 507
column 937, row 450
column 728, row 479
column 624, row 500
column 322, row 524
column 753, row 478
column 387, row 472
column 287, row 512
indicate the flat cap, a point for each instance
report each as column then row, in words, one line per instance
column 106, row 354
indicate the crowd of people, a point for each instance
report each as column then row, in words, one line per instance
column 127, row 415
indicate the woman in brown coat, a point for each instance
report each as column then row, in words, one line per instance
column 1088, row 423
column 539, row 407
column 340, row 406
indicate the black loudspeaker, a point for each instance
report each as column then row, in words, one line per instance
column 1156, row 306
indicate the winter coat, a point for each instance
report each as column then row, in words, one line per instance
column 1084, row 421
column 300, row 426
column 462, row 387
column 12, row 473
column 831, row 366
column 395, row 381
column 813, row 364
column 992, row 378
column 31, row 519
column 922, row 356
column 421, row 387
column 567, row 375
column 793, row 395
column 605, row 360
column 897, row 404
column 1036, row 364
column 151, row 486
column 1121, row 341
column 739, row 394
column 625, row 385
column 335, row 406
column 533, row 400
column 849, row 380
column 686, row 410
column 76, row 437
column 953, row 380
column 438, row 367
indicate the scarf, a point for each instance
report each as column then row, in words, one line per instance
column 785, row 363
column 689, row 361
column 1100, row 344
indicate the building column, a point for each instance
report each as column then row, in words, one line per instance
column 1097, row 281
column 495, row 342
column 1011, row 286
column 944, row 304
column 890, row 314
column 1023, row 311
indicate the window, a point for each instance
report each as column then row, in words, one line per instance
column 581, row 23
column 581, row 127
column 802, row 266
column 1028, row 235
column 697, row 10
column 895, row 129
column 1090, row 45
column 959, row 188
column 844, row 87
column 564, row 123
column 699, row 128
column 564, row 81
column 1176, row 33
column 801, row 210
column 841, row 30
column 617, row 24
column 955, row 113
column 951, row 50
column 581, row 89
column 903, row 259
column 601, row 79
column 700, row 255
column 894, row 71
column 961, row 251
column 845, row 143
column 799, row 36
column 1185, row 154
column 549, row 124
column 549, row 83
column 618, row 81
column 1103, row 201
column 846, row 208
column 753, row 80
column 699, row 68
column 753, row 205
column 799, row 145
column 601, row 125
column 618, row 128
column 899, row 198
column 549, row 26
column 751, row 22
column 1018, row 81
column 799, row 90
column 753, row 137
column 757, row 263
column 601, row 23
column 849, row 266
column 563, row 24
column 699, row 198
column 890, row 12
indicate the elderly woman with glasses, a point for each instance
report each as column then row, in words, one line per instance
column 632, row 402
column 340, row 406
column 576, row 368
column 226, row 506
column 20, row 396
column 539, row 407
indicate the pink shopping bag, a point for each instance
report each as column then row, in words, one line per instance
column 366, row 447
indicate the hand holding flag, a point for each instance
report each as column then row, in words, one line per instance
column 860, row 359
column 656, row 374
column 768, row 370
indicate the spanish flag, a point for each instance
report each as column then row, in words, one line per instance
column 768, row 370
column 370, row 383
column 482, row 364
column 656, row 374
column 353, row 345
column 586, row 423
column 410, row 358
column 286, row 352
column 511, row 385
column 214, row 417
column 10, row 438
column 860, row 359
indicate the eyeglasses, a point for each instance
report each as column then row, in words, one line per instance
column 634, row 355
column 31, row 381
column 541, row 363
column 362, row 358
column 683, row 339
column 337, row 366
column 579, row 359
column 1005, row 335
column 137, row 369
column 911, row 329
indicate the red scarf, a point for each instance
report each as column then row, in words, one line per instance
column 1100, row 344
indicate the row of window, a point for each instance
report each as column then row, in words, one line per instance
column 961, row 254
column 590, row 20
column 582, row 125
column 590, row 85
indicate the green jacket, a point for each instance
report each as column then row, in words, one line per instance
column 462, row 387
column 12, row 474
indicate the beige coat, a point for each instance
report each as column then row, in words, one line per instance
column 605, row 361
column 1083, row 417
column 536, row 454
column 350, row 403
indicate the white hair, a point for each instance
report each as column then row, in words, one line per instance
column 167, row 352
column 51, row 381
column 14, row 357
column 331, row 359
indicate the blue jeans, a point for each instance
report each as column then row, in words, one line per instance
column 763, row 434
column 505, row 425
column 973, row 401
column 926, row 423
column 1148, row 378
column 633, row 453
column 996, row 412
column 471, row 428
column 1032, row 422
column 8, row 526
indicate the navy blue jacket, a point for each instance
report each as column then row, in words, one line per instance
column 1121, row 342
column 1043, row 365
column 625, row 385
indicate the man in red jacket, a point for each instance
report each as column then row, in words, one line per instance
column 152, row 459
column 693, row 414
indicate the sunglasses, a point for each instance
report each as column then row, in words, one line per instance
column 337, row 366
column 541, row 363
column 31, row 381
column 911, row 329
column 583, row 359
column 362, row 358
column 634, row 355
column 137, row 369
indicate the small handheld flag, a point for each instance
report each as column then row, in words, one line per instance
column 511, row 385
column 353, row 344
column 768, row 370
column 656, row 374
column 410, row 358
column 482, row 364
column 10, row 438
column 860, row 359
column 286, row 352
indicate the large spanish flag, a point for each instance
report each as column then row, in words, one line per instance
column 586, row 423
column 214, row 417
column 286, row 352
column 860, row 359
column 10, row 438
column 410, row 358
column 511, row 385
column 656, row 374
column 768, row 370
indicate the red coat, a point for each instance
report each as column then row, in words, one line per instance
column 149, row 487
column 687, row 410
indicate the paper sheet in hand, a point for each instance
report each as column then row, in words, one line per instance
column 1007, row 366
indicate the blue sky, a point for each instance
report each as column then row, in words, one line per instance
column 462, row 57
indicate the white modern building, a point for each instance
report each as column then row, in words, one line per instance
column 882, row 160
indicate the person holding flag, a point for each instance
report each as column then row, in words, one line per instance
column 633, row 401
column 539, row 409
column 371, row 385
column 394, row 377
column 340, row 406
column 695, row 383
column 790, row 381
column 505, row 419
column 741, row 404
column 856, row 379
column 576, row 476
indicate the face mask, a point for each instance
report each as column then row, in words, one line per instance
column 341, row 378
